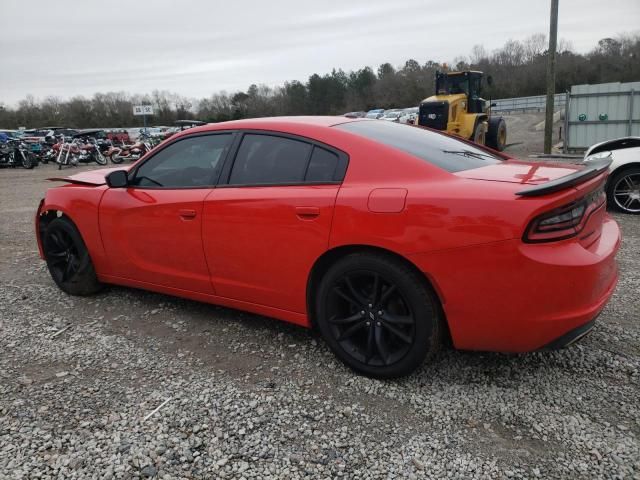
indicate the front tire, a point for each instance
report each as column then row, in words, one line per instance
column 27, row 161
column 68, row 259
column 378, row 315
column 497, row 134
column 100, row 158
column 623, row 191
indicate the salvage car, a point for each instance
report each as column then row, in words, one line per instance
column 392, row 115
column 392, row 240
column 623, row 186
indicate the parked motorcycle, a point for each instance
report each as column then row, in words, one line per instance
column 92, row 152
column 15, row 153
column 48, row 154
column 51, row 149
column 129, row 152
column 76, row 151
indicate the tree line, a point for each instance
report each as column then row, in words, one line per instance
column 518, row 69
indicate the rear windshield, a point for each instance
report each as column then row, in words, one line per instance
column 440, row 150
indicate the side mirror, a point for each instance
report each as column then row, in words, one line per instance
column 489, row 80
column 117, row 179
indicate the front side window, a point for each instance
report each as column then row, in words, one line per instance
column 191, row 162
column 269, row 159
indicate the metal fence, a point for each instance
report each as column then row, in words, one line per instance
column 601, row 112
column 536, row 103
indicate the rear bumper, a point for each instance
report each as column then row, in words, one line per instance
column 570, row 337
column 515, row 297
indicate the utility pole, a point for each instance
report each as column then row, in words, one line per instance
column 551, row 76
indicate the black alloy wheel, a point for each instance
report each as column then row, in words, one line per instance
column 378, row 315
column 68, row 258
column 63, row 255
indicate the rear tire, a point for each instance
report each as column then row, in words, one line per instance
column 100, row 158
column 623, row 191
column 115, row 159
column 68, row 259
column 497, row 134
column 28, row 161
column 378, row 315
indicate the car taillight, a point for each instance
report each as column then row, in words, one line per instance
column 566, row 221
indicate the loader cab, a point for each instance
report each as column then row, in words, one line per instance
column 467, row 83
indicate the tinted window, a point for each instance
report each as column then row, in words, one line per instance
column 269, row 159
column 322, row 166
column 192, row 162
column 432, row 147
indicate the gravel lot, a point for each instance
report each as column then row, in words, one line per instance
column 249, row 397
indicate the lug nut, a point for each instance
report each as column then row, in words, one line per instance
column 367, row 323
column 380, row 312
column 379, row 323
column 362, row 312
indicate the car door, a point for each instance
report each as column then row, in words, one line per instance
column 152, row 230
column 270, row 218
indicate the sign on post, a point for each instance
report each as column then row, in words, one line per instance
column 143, row 110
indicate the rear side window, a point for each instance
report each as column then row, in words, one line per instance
column 440, row 150
column 268, row 159
column 322, row 166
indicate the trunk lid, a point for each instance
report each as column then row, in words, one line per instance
column 526, row 173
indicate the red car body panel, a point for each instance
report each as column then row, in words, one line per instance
column 134, row 224
column 288, row 230
column 254, row 248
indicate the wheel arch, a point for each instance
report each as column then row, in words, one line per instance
column 623, row 167
column 45, row 215
column 328, row 258
column 79, row 204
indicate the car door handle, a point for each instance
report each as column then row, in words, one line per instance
column 187, row 214
column 307, row 213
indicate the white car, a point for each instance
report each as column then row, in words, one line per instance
column 391, row 115
column 623, row 185
column 409, row 115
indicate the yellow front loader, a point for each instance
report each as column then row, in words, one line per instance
column 458, row 109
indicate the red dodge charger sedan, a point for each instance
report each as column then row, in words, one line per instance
column 389, row 239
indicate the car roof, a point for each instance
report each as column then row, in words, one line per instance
column 88, row 131
column 275, row 123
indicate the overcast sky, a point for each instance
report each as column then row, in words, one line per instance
column 197, row 47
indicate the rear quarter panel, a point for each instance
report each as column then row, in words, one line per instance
column 442, row 211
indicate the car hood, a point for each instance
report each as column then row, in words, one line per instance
column 91, row 177
column 529, row 173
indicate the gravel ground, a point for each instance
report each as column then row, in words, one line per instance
column 243, row 396
column 522, row 137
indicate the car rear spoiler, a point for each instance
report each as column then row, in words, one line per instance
column 591, row 170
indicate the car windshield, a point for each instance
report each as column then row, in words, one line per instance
column 436, row 148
